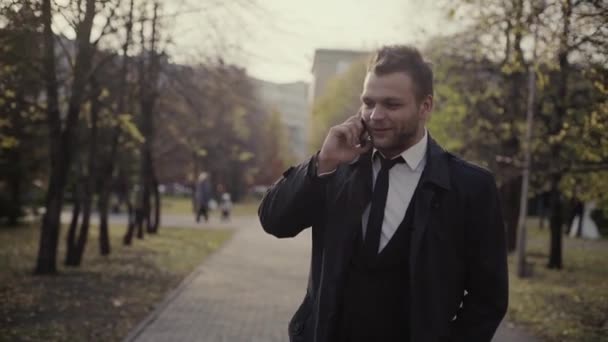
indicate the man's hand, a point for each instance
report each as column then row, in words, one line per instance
column 343, row 144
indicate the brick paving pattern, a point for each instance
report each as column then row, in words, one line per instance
column 245, row 292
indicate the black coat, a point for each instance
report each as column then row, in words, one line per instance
column 458, row 244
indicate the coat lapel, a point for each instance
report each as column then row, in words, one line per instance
column 360, row 190
column 354, row 193
column 434, row 177
column 351, row 198
column 422, row 211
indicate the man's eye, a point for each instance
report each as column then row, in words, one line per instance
column 393, row 105
column 368, row 104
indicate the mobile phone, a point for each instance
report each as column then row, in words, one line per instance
column 365, row 137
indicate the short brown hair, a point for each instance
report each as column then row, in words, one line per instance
column 404, row 58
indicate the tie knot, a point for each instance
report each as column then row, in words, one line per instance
column 389, row 163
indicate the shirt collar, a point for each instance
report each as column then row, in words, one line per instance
column 414, row 155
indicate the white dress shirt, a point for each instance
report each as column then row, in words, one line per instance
column 402, row 182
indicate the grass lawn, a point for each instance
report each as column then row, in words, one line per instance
column 566, row 305
column 105, row 298
column 173, row 205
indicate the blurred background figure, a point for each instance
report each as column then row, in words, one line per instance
column 226, row 206
column 202, row 196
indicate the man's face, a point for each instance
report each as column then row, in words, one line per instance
column 394, row 118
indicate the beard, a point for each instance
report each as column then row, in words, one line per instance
column 394, row 142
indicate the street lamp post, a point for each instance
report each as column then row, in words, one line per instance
column 522, row 265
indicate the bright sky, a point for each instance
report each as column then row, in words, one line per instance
column 276, row 39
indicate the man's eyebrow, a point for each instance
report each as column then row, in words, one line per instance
column 382, row 99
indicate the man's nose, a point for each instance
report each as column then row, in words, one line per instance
column 377, row 114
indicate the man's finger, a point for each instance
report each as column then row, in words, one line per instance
column 343, row 132
column 353, row 118
column 354, row 134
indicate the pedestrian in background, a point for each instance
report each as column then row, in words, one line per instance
column 202, row 195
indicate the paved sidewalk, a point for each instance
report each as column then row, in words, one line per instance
column 170, row 220
column 245, row 292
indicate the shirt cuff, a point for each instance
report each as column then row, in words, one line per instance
column 312, row 170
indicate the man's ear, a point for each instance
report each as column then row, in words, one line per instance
column 426, row 107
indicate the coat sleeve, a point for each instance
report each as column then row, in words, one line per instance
column 295, row 201
column 485, row 303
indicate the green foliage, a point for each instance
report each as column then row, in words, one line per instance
column 447, row 119
column 239, row 122
column 210, row 120
column 22, row 132
column 340, row 101
column 8, row 142
column 473, row 115
column 125, row 122
column 482, row 89
column 275, row 154
column 581, row 135
column 587, row 186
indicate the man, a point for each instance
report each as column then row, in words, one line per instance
column 202, row 195
column 408, row 239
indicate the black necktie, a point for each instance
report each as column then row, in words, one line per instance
column 376, row 213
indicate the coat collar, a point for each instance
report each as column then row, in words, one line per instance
column 435, row 172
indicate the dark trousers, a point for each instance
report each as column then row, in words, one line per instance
column 202, row 210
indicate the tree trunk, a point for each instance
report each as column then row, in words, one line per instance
column 579, row 228
column 541, row 211
column 17, row 171
column 103, row 206
column 77, row 241
column 514, row 87
column 140, row 221
column 510, row 193
column 16, row 181
column 107, row 175
column 71, row 237
column 196, row 170
column 84, row 230
column 121, row 106
column 555, row 255
column 157, row 204
column 49, row 231
column 128, row 238
column 61, row 139
column 140, row 218
column 555, row 252
column 89, row 181
column 148, row 76
column 146, row 178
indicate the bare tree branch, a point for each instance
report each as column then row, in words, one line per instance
column 107, row 27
